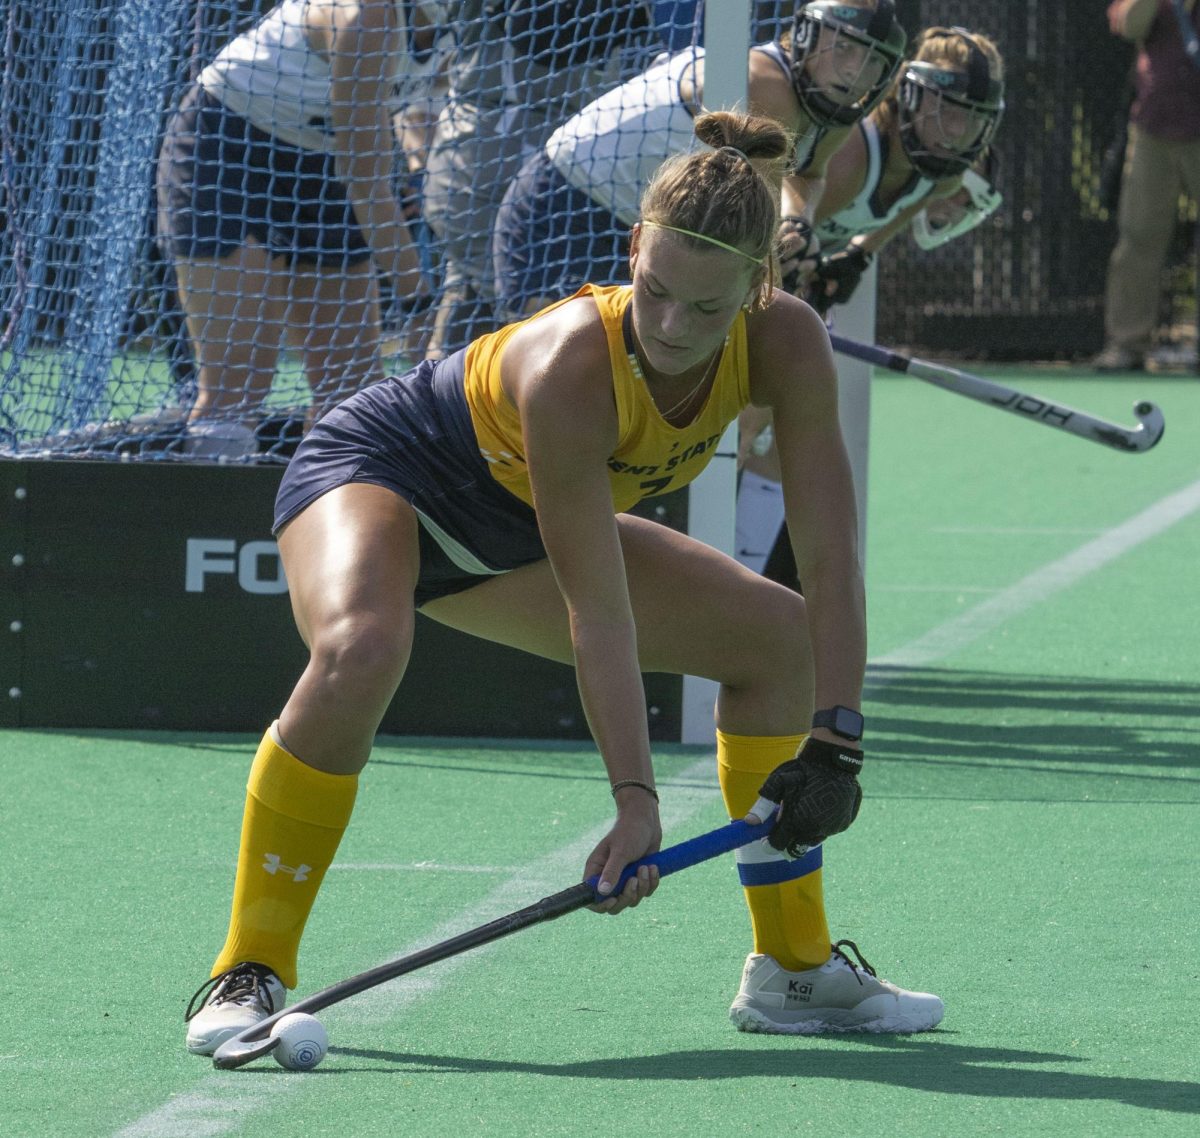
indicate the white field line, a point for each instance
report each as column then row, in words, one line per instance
column 1008, row 531
column 219, row 1106
column 224, row 1100
column 690, row 792
column 956, row 634
column 935, row 589
column 418, row 866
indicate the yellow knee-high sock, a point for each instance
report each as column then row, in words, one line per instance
column 787, row 908
column 295, row 816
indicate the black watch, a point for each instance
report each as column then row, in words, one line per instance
column 842, row 721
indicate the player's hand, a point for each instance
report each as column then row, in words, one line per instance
column 636, row 833
column 799, row 249
column 818, row 793
column 837, row 276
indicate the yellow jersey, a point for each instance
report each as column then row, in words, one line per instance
column 651, row 456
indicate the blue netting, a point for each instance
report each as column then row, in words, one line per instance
column 113, row 330
column 95, row 355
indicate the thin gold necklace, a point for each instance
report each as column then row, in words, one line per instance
column 709, row 372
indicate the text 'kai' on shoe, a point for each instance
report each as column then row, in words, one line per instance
column 840, row 995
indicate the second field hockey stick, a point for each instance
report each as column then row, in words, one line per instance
column 256, row 1041
column 1132, row 439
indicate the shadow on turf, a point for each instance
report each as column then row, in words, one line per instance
column 927, row 1064
column 1059, row 719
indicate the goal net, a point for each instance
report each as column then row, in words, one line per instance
column 218, row 217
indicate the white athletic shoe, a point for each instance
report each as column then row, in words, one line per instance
column 838, row 996
column 221, row 439
column 232, row 1002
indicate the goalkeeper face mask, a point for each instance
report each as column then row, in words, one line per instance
column 844, row 56
column 949, row 116
column 951, row 217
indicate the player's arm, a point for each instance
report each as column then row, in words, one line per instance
column 804, row 189
column 771, row 95
column 557, row 372
column 800, row 195
column 837, row 275
column 842, row 159
column 811, row 180
column 792, row 365
column 792, row 362
column 360, row 40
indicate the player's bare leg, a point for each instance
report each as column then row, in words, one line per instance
column 700, row 613
column 235, row 312
column 351, row 562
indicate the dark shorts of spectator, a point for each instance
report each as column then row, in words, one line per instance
column 222, row 180
column 550, row 239
column 412, row 434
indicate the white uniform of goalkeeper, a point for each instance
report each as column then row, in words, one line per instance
column 918, row 161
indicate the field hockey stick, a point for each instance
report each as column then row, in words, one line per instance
column 1133, row 439
column 257, row 1041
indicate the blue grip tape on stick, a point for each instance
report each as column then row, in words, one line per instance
column 686, row 854
column 256, row 1040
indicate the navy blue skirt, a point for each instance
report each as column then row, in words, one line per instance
column 413, row 435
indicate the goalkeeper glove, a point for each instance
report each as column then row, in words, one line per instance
column 799, row 249
column 843, row 269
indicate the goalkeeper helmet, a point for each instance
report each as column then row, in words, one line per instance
column 948, row 115
column 844, row 58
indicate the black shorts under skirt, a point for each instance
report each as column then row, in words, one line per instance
column 221, row 180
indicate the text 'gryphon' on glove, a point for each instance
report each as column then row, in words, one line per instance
column 818, row 793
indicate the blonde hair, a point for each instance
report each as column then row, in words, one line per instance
column 729, row 194
column 944, row 46
column 948, row 46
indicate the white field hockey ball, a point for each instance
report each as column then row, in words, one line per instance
column 302, row 1042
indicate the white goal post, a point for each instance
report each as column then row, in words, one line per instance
column 712, row 497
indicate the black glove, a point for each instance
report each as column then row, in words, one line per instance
column 818, row 793
column 844, row 269
column 791, row 265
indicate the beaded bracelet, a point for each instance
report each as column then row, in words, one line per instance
column 634, row 782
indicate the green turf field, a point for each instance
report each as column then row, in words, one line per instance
column 1027, row 849
column 139, row 382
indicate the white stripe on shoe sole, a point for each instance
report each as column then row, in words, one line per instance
column 224, row 1100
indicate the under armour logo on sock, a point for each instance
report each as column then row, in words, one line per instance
column 274, row 865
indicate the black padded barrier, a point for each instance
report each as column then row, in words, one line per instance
column 150, row 595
